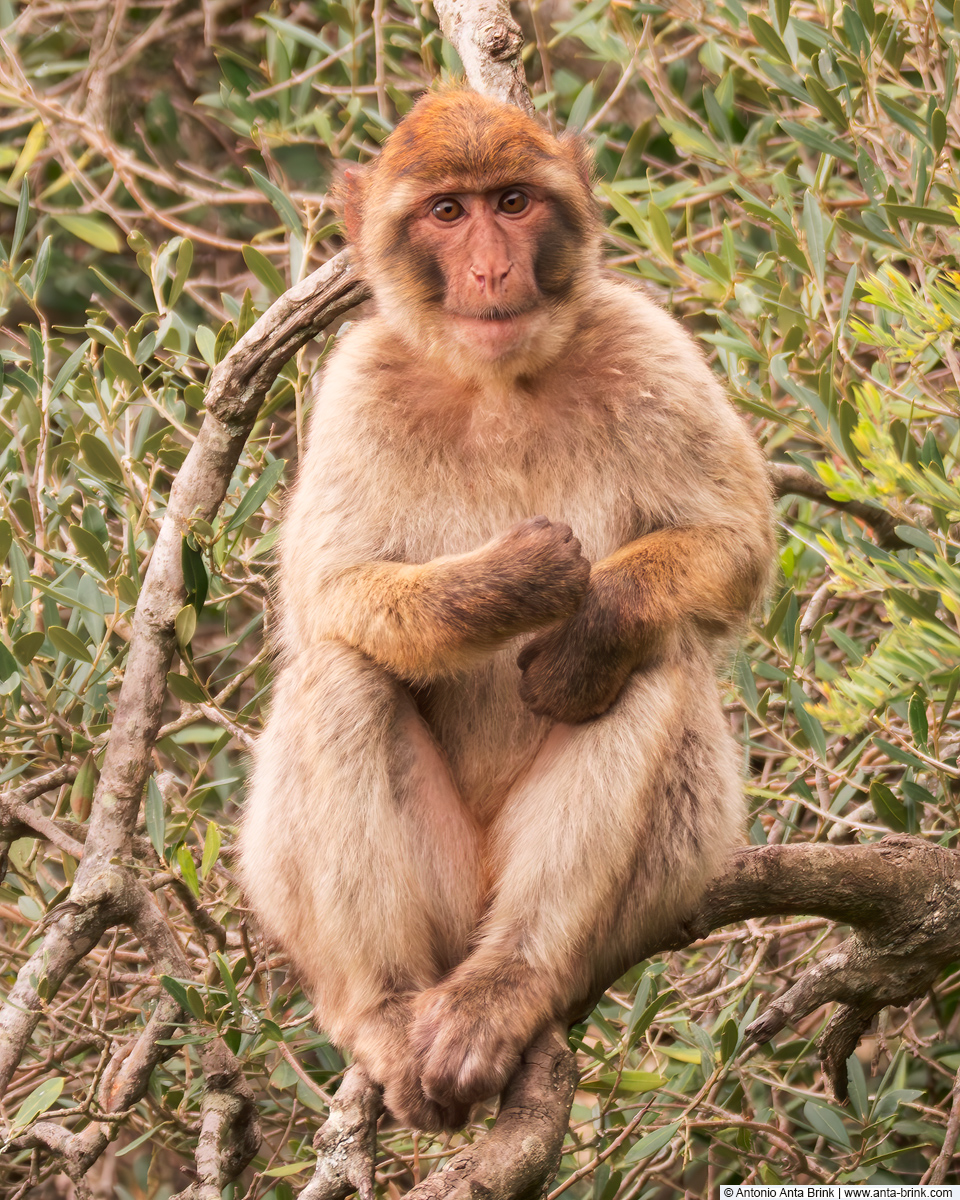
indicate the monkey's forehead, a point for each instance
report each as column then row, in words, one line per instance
column 418, row 184
column 468, row 138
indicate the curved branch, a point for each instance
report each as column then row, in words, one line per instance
column 901, row 895
column 794, row 481
column 346, row 1144
column 521, row 1153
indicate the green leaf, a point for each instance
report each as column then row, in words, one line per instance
column 580, row 111
column 195, row 1001
column 813, row 228
column 122, row 368
column 184, row 263
column 40, row 1099
column 768, row 39
column 828, row 105
column 184, row 688
column 269, row 477
column 211, row 849
column 195, row 578
column 827, row 1123
column 206, row 345
column 188, row 869
column 185, row 626
column 26, row 646
column 816, row 139
column 94, row 230
column 155, row 816
column 661, row 230
column 289, row 1169
column 729, row 1040
column 20, row 225
column 808, row 722
column 6, row 539
column 264, row 270
column 68, row 643
column 914, row 212
column 629, row 1082
column 176, row 990
column 642, row 1022
column 229, row 982
column 283, row 205
column 91, row 548
column 938, row 130
column 68, row 370
column 915, row 536
column 888, row 808
column 647, row 1146
column 144, row 1137
column 226, row 340
column 919, row 726
column 99, row 459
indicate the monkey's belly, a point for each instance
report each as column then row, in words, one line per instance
column 486, row 733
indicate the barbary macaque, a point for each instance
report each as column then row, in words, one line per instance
column 526, row 526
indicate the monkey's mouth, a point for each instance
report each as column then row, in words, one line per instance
column 497, row 333
column 495, row 315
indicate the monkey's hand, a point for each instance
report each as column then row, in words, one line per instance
column 577, row 669
column 534, row 573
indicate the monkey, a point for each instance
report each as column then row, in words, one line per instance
column 526, row 525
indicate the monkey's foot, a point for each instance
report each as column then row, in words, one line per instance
column 382, row 1045
column 404, row 1099
column 470, row 1034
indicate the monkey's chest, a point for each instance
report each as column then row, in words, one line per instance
column 456, row 507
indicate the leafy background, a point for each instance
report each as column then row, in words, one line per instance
column 785, row 179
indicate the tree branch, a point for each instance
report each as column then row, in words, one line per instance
column 794, row 481
column 901, row 895
column 489, row 42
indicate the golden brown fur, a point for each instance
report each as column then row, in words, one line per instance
column 454, row 850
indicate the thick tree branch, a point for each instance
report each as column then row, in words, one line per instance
column 489, row 42
column 18, row 819
column 903, row 898
column 346, row 1144
column 521, row 1153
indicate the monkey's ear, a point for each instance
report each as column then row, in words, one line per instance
column 579, row 154
column 349, row 193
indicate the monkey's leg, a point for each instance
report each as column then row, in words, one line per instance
column 614, row 830
column 360, row 858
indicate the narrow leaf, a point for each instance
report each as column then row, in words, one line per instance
column 39, row 1100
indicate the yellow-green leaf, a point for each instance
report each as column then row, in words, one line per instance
column 94, row 230
column 211, row 849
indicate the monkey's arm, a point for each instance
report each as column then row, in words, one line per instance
column 700, row 581
column 428, row 619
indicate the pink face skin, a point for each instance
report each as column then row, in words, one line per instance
column 485, row 244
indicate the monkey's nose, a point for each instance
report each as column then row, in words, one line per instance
column 491, row 277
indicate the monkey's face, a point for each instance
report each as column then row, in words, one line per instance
column 475, row 229
column 475, row 258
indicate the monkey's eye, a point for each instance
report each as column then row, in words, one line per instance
column 513, row 202
column 447, row 209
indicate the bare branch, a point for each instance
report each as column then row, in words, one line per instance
column 488, row 41
column 794, row 481
column 521, row 1153
column 346, row 1144
column 901, row 896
